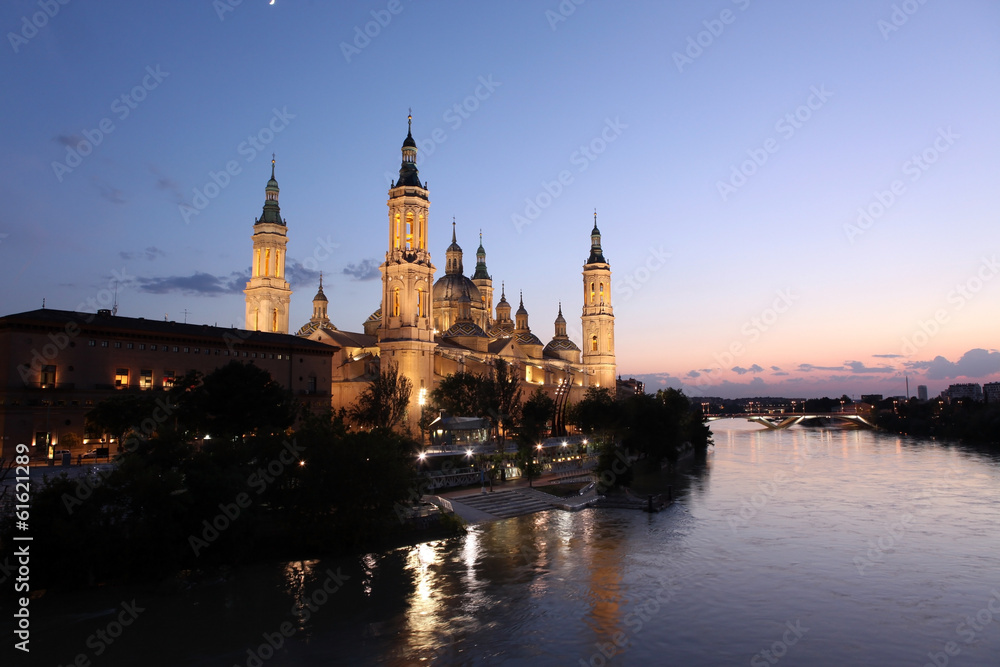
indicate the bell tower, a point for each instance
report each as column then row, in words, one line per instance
column 598, row 319
column 406, row 337
column 268, row 293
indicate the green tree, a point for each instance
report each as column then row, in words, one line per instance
column 384, row 401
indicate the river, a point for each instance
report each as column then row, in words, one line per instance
column 798, row 547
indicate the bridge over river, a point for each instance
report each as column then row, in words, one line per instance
column 784, row 420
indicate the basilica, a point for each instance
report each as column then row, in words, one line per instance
column 430, row 329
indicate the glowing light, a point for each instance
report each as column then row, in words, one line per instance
column 422, row 456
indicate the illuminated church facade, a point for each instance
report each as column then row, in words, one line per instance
column 431, row 328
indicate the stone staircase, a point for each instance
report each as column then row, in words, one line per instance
column 505, row 504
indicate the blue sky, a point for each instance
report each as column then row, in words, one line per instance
column 796, row 198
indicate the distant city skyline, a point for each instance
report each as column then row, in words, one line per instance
column 794, row 200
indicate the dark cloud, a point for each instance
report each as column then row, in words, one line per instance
column 164, row 182
column 775, row 368
column 298, row 275
column 366, row 269
column 739, row 370
column 780, row 373
column 108, row 191
column 150, row 253
column 197, row 284
column 809, row 368
column 693, row 374
column 887, row 356
column 859, row 367
column 70, row 140
column 975, row 363
column 756, row 369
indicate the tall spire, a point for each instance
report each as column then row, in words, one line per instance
column 272, row 213
column 481, row 272
column 453, row 255
column 408, row 174
column 596, row 254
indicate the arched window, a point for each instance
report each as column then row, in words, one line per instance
column 256, row 262
column 267, row 262
column 395, row 233
column 409, row 231
column 395, row 302
column 277, row 263
column 593, row 343
column 592, row 293
column 274, row 320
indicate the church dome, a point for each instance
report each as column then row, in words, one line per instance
column 527, row 338
column 465, row 329
column 561, row 345
column 450, row 287
column 502, row 329
column 312, row 326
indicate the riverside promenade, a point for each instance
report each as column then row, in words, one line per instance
column 509, row 499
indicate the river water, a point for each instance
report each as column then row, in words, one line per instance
column 798, row 547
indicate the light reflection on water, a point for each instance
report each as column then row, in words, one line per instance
column 774, row 528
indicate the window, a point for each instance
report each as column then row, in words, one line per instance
column 118, row 345
column 121, row 378
column 267, row 262
column 311, row 385
column 48, row 379
column 187, row 349
column 152, row 348
column 196, row 350
column 142, row 346
column 593, row 343
column 104, row 343
column 145, row 379
column 175, row 348
column 591, row 293
column 91, row 343
column 168, row 379
column 129, row 346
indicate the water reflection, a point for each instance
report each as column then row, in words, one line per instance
column 686, row 586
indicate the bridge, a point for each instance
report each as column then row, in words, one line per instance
column 784, row 419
